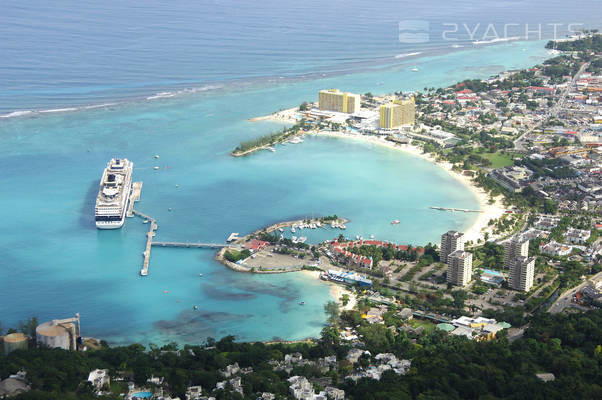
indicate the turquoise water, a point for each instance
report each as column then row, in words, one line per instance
column 142, row 395
column 54, row 262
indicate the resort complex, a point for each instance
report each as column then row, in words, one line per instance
column 397, row 113
column 334, row 100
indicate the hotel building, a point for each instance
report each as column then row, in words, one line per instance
column 522, row 271
column 450, row 242
column 335, row 100
column 518, row 246
column 459, row 267
column 397, row 113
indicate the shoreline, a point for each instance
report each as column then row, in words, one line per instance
column 238, row 242
column 336, row 290
column 489, row 211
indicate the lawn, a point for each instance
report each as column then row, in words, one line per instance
column 498, row 159
column 427, row 325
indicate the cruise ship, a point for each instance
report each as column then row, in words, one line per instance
column 114, row 194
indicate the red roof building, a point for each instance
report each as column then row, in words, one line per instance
column 255, row 245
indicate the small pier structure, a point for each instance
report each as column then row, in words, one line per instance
column 149, row 240
column 454, row 209
column 190, row 245
column 134, row 197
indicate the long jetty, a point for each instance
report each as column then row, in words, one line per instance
column 149, row 241
column 190, row 244
column 454, row 209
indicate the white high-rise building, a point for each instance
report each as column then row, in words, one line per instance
column 522, row 272
column 459, row 267
column 518, row 246
column 450, row 242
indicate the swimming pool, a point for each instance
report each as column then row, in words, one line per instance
column 141, row 395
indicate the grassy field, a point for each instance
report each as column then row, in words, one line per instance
column 427, row 325
column 498, row 159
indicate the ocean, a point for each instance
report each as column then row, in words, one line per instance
column 82, row 82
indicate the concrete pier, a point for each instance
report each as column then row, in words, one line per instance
column 190, row 244
column 233, row 236
column 149, row 241
column 454, row 209
column 134, row 197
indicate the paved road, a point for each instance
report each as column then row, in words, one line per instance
column 565, row 299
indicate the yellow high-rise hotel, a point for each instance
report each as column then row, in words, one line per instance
column 335, row 100
column 397, row 113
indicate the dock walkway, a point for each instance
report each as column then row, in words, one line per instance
column 149, row 241
column 190, row 244
column 454, row 209
column 135, row 196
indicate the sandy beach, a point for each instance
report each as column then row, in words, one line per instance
column 288, row 116
column 336, row 291
column 489, row 211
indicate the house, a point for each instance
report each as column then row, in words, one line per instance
column 546, row 222
column 577, row 236
column 334, row 393
column 230, row 370
column 406, row 314
column 255, row 245
column 545, row 377
column 556, row 249
column 99, row 378
column 193, row 393
column 354, row 355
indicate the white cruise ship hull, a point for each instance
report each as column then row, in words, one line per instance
column 110, row 225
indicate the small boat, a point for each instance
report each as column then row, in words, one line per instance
column 371, row 236
column 177, row 185
column 281, row 230
column 145, row 221
column 200, row 274
column 195, row 307
column 395, row 222
column 293, row 229
column 301, row 303
column 271, row 149
column 156, row 156
column 169, row 209
column 414, row 69
column 155, row 168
